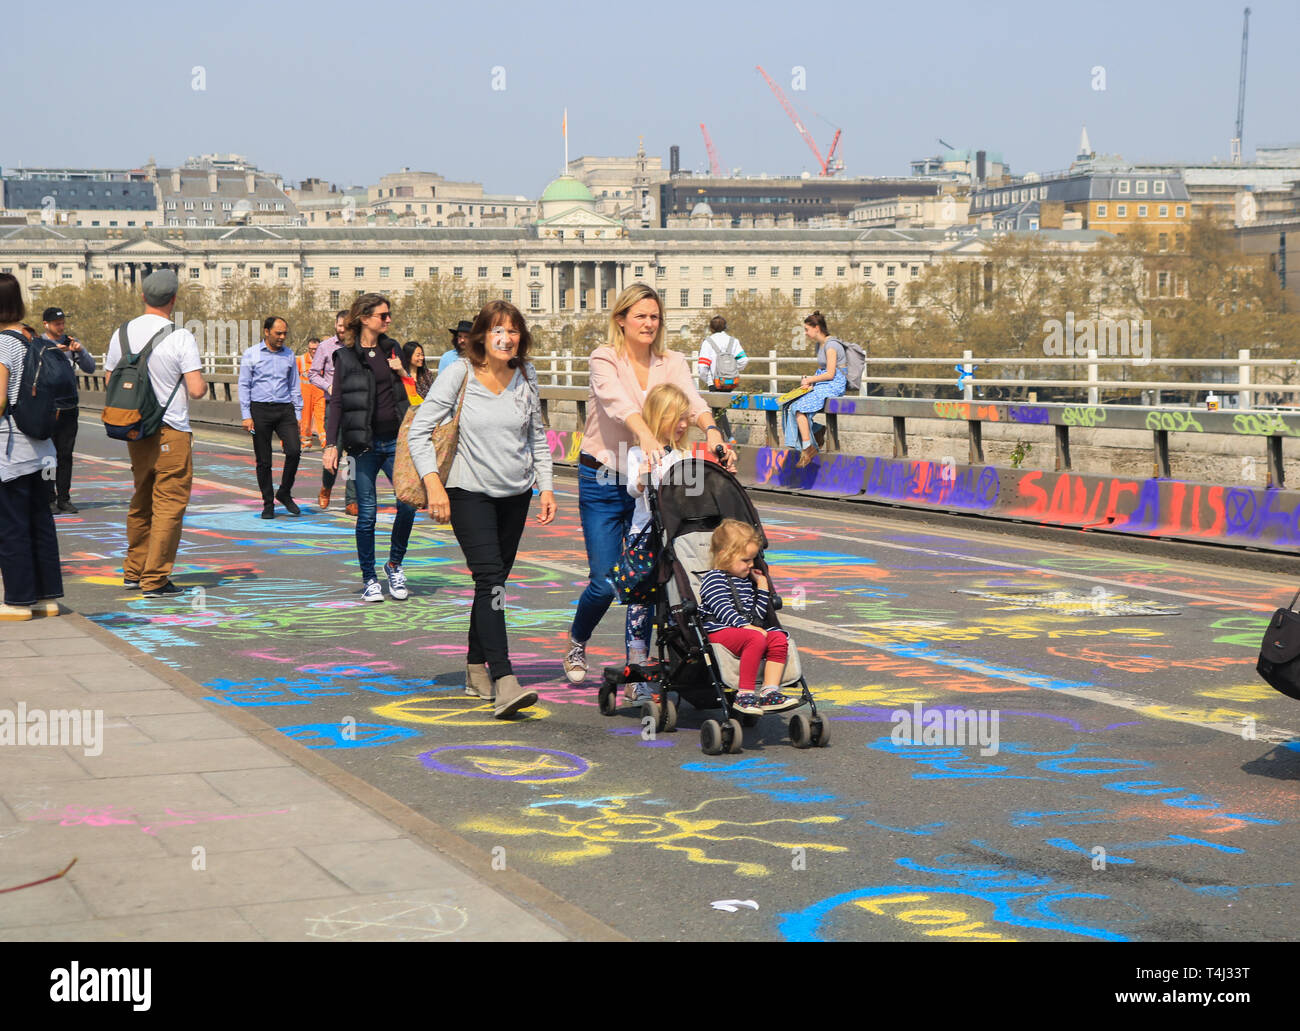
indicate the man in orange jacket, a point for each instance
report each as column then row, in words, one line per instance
column 313, row 399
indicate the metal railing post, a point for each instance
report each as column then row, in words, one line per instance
column 968, row 393
column 1243, row 379
column 771, row 371
column 1093, row 391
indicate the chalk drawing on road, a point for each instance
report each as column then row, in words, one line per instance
column 621, row 823
column 347, row 735
column 123, row 816
column 521, row 764
column 1071, row 603
column 452, row 711
column 389, row 920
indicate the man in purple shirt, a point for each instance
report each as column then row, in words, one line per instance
column 270, row 401
column 322, row 375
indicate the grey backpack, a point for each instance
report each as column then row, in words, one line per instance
column 855, row 361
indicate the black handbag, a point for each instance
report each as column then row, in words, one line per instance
column 1279, row 652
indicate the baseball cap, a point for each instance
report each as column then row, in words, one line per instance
column 53, row 315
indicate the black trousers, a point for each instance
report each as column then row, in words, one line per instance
column 65, row 440
column 280, row 420
column 488, row 530
column 29, row 547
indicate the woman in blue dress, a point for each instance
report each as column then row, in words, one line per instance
column 830, row 381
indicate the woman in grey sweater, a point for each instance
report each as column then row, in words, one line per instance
column 501, row 453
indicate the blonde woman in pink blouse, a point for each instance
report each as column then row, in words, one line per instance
column 621, row 373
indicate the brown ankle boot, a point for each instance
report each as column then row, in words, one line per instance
column 806, row 456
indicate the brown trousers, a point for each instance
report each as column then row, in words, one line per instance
column 163, row 467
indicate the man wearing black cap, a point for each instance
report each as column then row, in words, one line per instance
column 459, row 338
column 65, row 430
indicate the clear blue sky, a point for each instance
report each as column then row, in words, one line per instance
column 347, row 92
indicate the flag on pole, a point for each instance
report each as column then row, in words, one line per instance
column 564, row 124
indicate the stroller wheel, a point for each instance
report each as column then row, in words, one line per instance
column 736, row 737
column 667, row 716
column 821, row 732
column 711, row 737
column 801, row 730
column 608, row 700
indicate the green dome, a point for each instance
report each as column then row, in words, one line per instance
column 567, row 188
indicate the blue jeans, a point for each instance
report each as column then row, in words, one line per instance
column 605, row 509
column 368, row 465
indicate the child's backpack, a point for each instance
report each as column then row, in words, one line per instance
column 855, row 361
column 46, row 391
column 131, row 408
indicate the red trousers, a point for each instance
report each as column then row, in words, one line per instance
column 752, row 647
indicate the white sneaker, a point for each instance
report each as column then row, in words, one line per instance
column 396, row 582
column 575, row 663
column 373, row 591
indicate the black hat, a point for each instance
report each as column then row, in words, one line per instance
column 465, row 326
column 53, row 315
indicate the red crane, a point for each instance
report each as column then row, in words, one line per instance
column 827, row 168
column 715, row 169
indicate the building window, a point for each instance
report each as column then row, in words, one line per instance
column 408, row 272
column 482, row 298
column 1162, row 283
column 889, row 271
column 433, row 271
column 753, row 292
column 188, row 222
column 1164, row 210
column 334, row 299
column 866, row 271
column 684, row 270
column 797, row 271
column 506, row 295
column 227, row 271
column 660, row 270
column 637, row 271
column 1141, row 186
column 776, row 271
column 283, row 272
column 818, row 271
column 171, row 205
column 534, row 299
column 753, row 271
column 1163, row 241
column 729, row 271
column 1123, row 186
column 194, row 272
column 255, row 272
column 439, row 212
column 889, row 294
column 383, row 271
column 707, row 271
column 457, row 272
column 1158, row 186
column 1142, row 211
column 916, row 271
column 1180, row 211
column 189, row 205
column 685, row 298
column 67, row 273
column 798, row 297
column 334, row 272
column 506, row 272
column 308, row 272
column 534, row 271
column 731, row 295
column 1101, row 210
column 359, row 272
column 482, row 272
column 1121, row 211
column 839, row 271
column 707, row 299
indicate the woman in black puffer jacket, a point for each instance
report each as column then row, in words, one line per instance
column 365, row 412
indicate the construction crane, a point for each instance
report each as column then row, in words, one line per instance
column 715, row 169
column 827, row 164
column 1235, row 145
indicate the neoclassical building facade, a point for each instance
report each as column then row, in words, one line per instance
column 572, row 260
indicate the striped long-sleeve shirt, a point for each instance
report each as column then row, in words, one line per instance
column 718, row 606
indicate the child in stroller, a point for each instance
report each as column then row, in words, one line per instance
column 735, row 603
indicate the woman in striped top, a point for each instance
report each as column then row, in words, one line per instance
column 736, row 600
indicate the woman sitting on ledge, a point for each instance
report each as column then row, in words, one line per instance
column 830, row 381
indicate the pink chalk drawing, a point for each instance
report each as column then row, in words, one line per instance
column 111, row 815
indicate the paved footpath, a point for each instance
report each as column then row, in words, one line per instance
column 204, row 824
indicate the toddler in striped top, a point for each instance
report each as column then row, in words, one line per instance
column 735, row 602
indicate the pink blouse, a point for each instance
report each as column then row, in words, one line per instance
column 615, row 395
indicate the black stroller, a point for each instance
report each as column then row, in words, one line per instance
column 694, row 497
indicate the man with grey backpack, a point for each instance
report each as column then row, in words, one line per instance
column 721, row 359
column 156, row 427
